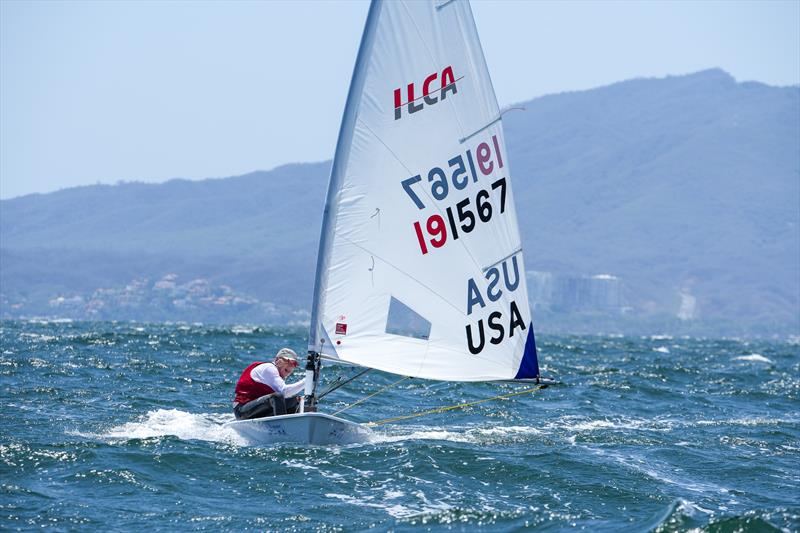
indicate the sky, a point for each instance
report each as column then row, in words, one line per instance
column 101, row 92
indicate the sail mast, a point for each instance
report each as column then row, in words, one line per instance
column 315, row 338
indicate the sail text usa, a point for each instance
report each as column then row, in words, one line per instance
column 498, row 325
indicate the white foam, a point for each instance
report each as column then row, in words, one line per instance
column 302, row 465
column 659, row 471
column 421, row 507
column 45, row 321
column 570, row 424
column 508, row 430
column 755, row 357
column 172, row 422
column 689, row 508
column 661, row 349
column 38, row 337
column 759, row 421
column 422, row 434
column 469, row 435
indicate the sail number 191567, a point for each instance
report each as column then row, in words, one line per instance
column 464, row 217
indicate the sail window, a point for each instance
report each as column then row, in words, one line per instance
column 403, row 320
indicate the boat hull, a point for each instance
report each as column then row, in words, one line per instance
column 304, row 428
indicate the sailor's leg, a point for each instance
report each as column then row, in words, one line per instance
column 258, row 408
column 278, row 405
column 292, row 404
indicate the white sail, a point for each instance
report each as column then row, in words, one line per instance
column 420, row 270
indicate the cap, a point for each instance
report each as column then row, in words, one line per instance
column 288, row 354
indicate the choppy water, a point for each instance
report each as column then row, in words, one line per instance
column 118, row 426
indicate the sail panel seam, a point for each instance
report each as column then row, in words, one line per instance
column 425, row 191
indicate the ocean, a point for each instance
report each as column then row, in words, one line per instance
column 118, row 427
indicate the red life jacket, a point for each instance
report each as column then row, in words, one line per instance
column 248, row 389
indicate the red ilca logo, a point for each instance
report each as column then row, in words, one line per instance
column 341, row 329
column 447, row 83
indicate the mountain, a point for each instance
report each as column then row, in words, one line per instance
column 685, row 189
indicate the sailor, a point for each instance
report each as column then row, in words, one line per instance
column 261, row 390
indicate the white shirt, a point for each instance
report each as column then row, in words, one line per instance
column 267, row 373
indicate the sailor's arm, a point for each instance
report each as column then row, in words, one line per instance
column 293, row 389
column 268, row 375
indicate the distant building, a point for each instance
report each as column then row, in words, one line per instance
column 548, row 290
column 540, row 288
column 167, row 283
column 66, row 301
column 688, row 307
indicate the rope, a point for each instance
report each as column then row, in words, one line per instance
column 452, row 407
column 339, row 383
column 364, row 399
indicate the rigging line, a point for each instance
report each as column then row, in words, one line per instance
column 339, row 383
column 440, row 6
column 433, row 58
column 452, row 407
column 364, row 399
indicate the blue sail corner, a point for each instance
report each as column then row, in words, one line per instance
column 529, row 366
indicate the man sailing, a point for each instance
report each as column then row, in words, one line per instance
column 261, row 390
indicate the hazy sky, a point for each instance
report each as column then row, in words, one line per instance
column 106, row 91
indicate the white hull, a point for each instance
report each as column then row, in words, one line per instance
column 305, row 428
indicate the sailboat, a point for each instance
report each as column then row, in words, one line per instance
column 420, row 269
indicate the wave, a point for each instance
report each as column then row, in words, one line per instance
column 393, row 508
column 210, row 427
column 683, row 515
column 472, row 435
column 756, row 358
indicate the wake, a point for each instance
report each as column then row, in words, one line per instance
column 175, row 423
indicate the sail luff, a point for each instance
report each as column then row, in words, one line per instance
column 346, row 130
